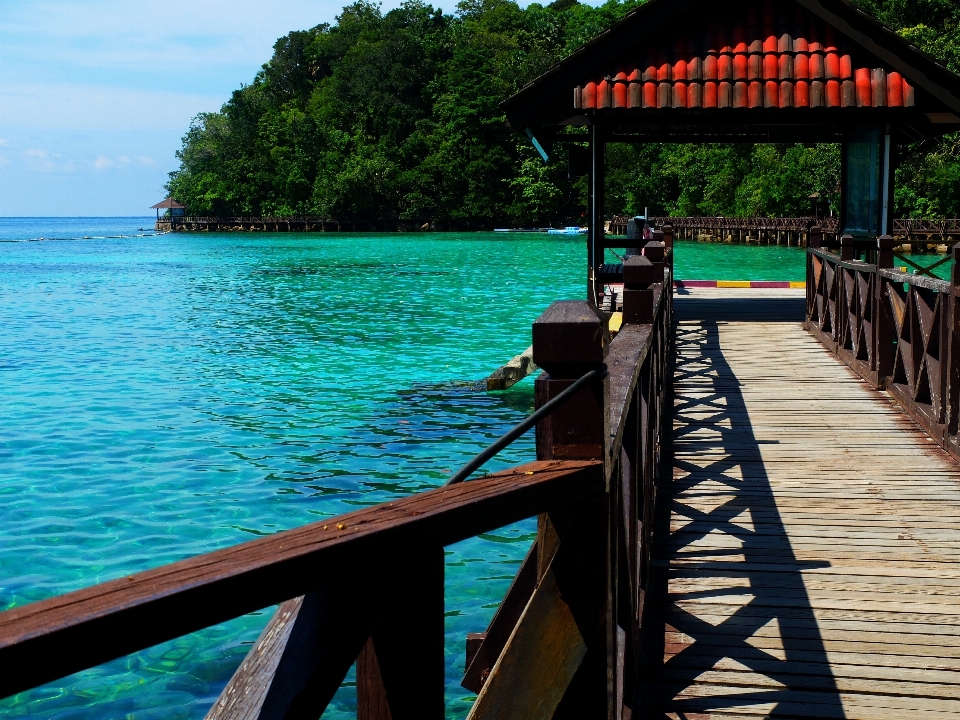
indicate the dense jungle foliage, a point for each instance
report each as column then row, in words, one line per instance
column 395, row 115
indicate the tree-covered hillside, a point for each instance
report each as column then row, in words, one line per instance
column 396, row 115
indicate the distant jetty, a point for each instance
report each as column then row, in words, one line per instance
column 283, row 224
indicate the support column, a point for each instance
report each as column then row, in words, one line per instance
column 595, row 234
column 888, row 168
column 867, row 182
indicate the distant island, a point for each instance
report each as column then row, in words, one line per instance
column 396, row 115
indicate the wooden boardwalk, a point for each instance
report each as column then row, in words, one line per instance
column 812, row 564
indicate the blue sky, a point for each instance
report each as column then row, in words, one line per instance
column 96, row 94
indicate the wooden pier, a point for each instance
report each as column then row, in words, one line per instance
column 918, row 234
column 812, row 559
column 746, row 501
column 312, row 224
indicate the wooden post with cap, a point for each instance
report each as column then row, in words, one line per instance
column 639, row 274
column 559, row 660
column 846, row 247
column 575, row 545
column 952, row 394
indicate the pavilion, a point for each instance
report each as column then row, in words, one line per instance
column 173, row 208
column 745, row 71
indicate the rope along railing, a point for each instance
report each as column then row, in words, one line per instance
column 366, row 588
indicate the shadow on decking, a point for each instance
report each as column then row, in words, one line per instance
column 736, row 632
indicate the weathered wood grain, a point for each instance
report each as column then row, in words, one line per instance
column 503, row 623
column 538, row 663
column 560, row 628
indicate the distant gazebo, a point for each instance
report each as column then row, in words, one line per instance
column 173, row 208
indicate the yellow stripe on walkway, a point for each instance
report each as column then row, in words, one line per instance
column 733, row 283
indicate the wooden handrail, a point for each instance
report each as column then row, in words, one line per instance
column 917, row 280
column 52, row 638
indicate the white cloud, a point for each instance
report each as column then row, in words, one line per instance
column 45, row 161
column 4, row 142
column 42, row 154
column 121, row 161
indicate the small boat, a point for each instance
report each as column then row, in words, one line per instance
column 573, row 230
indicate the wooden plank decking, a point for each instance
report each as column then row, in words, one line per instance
column 812, row 564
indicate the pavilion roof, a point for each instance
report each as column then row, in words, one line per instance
column 747, row 69
column 169, row 203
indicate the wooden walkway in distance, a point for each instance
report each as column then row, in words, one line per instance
column 812, row 564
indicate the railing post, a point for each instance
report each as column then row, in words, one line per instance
column 667, row 236
column 570, row 339
column 815, row 237
column 575, row 544
column 638, row 275
column 883, row 348
column 559, row 662
column 846, row 247
column 952, row 394
column 656, row 252
column 813, row 242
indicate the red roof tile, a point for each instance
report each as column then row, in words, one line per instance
column 760, row 59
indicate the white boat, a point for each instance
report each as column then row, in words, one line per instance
column 574, row 230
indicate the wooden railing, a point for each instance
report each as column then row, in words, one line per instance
column 294, row 223
column 917, row 226
column 908, row 230
column 367, row 587
column 684, row 226
column 260, row 219
column 898, row 331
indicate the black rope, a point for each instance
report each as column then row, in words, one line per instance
column 548, row 407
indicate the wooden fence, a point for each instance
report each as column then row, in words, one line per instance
column 792, row 231
column 277, row 224
column 899, row 331
column 367, row 587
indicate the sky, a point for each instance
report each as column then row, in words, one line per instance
column 95, row 95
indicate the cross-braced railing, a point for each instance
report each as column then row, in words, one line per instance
column 899, row 331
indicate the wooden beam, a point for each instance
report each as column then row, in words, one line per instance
column 561, row 624
column 535, row 669
column 400, row 675
column 301, row 657
column 506, row 618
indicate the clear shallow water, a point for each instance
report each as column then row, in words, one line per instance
column 719, row 261
column 166, row 396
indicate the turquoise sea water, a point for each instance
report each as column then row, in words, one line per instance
column 168, row 395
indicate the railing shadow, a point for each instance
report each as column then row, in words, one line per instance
column 731, row 628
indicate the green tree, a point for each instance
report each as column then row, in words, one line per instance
column 397, row 115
